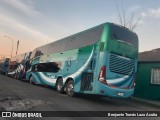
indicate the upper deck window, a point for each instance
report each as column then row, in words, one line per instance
column 76, row 41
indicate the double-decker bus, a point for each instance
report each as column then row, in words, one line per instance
column 18, row 66
column 101, row 60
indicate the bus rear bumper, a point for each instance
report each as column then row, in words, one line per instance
column 105, row 90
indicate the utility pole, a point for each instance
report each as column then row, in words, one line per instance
column 17, row 47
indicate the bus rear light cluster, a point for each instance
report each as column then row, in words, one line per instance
column 113, row 86
column 102, row 75
column 127, row 88
column 134, row 83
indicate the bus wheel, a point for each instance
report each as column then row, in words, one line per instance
column 7, row 73
column 70, row 89
column 59, row 85
column 17, row 76
column 31, row 79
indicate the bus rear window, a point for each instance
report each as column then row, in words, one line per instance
column 124, row 35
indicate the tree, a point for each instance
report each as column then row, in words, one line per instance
column 131, row 22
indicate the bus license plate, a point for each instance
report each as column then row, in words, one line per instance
column 120, row 94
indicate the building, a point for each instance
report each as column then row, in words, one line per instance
column 148, row 75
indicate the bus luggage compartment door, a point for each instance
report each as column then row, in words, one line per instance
column 86, row 81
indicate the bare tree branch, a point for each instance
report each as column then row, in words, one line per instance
column 136, row 23
column 124, row 14
column 130, row 19
column 118, row 13
column 131, row 23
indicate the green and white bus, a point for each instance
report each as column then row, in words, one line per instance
column 101, row 60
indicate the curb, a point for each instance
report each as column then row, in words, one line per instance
column 148, row 102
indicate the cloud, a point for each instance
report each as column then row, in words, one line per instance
column 27, row 14
column 143, row 14
column 13, row 21
column 134, row 8
column 141, row 22
column 151, row 12
column 149, row 15
column 21, row 7
column 13, row 24
column 154, row 12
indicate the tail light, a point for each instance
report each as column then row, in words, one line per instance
column 134, row 83
column 102, row 75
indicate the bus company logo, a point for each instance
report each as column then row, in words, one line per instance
column 68, row 62
column 6, row 114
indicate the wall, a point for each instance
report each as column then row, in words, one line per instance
column 144, row 88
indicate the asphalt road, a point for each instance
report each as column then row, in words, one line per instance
column 16, row 95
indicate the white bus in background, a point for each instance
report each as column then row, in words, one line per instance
column 18, row 66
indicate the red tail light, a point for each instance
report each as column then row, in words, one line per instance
column 134, row 83
column 102, row 75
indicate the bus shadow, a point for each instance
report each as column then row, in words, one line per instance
column 102, row 100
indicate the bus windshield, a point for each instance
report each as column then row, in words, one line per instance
column 124, row 35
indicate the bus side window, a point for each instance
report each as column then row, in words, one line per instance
column 52, row 67
column 34, row 68
column 38, row 68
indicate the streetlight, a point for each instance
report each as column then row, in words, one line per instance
column 12, row 43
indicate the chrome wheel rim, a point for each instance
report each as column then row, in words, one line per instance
column 70, row 89
column 31, row 79
column 59, row 86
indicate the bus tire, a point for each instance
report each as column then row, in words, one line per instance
column 31, row 79
column 70, row 88
column 17, row 76
column 7, row 73
column 59, row 85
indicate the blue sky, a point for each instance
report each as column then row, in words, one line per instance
column 37, row 22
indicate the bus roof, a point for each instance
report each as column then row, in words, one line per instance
column 78, row 40
column 20, row 57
